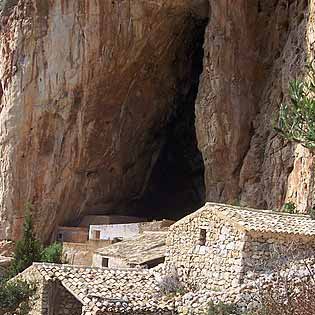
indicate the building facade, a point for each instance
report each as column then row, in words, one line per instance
column 220, row 247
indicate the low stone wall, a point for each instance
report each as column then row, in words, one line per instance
column 266, row 252
column 217, row 264
column 108, row 219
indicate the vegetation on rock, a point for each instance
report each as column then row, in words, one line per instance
column 289, row 207
column 29, row 250
column 222, row 309
column 15, row 294
column 296, row 120
column 15, row 297
column 52, row 254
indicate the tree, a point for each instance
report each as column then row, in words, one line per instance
column 27, row 250
column 15, row 297
column 296, row 120
column 52, row 254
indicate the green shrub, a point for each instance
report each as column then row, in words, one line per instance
column 29, row 250
column 15, row 296
column 222, row 309
column 52, row 254
column 296, row 121
column 311, row 212
column 289, row 207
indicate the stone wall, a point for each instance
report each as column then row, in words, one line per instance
column 108, row 219
column 112, row 231
column 215, row 265
column 72, row 234
column 113, row 262
column 64, row 302
column 82, row 254
column 267, row 252
column 50, row 298
column 40, row 300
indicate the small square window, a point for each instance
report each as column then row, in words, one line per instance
column 105, row 262
column 202, row 237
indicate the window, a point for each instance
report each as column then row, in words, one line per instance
column 202, row 237
column 105, row 262
column 97, row 234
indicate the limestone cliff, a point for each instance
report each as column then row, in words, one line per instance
column 87, row 88
column 93, row 91
column 252, row 50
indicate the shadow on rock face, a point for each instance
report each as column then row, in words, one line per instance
column 200, row 8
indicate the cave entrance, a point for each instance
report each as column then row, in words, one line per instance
column 176, row 185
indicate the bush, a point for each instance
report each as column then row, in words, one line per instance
column 52, row 254
column 29, row 250
column 296, row 120
column 170, row 284
column 14, row 297
column 222, row 309
column 298, row 299
column 311, row 212
column 289, row 207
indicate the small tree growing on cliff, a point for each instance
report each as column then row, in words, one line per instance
column 27, row 250
column 296, row 120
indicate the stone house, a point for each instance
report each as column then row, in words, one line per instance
column 72, row 234
column 220, row 247
column 71, row 290
column 145, row 250
column 125, row 231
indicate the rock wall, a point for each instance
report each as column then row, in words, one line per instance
column 86, row 90
column 252, row 50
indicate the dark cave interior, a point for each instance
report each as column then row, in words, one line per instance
column 176, row 186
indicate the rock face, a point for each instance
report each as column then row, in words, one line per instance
column 252, row 50
column 87, row 88
column 94, row 95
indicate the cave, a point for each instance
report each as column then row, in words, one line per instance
column 176, row 186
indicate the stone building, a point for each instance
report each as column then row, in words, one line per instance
column 220, row 247
column 146, row 250
column 72, row 234
column 70, row 290
column 125, row 231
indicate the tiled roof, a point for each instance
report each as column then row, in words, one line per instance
column 118, row 291
column 139, row 250
column 255, row 220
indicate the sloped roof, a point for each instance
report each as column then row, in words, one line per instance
column 264, row 221
column 139, row 250
column 118, row 291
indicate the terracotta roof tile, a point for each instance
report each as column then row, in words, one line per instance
column 116, row 290
column 258, row 220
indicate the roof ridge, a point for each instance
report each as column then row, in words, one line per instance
column 301, row 215
column 65, row 266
